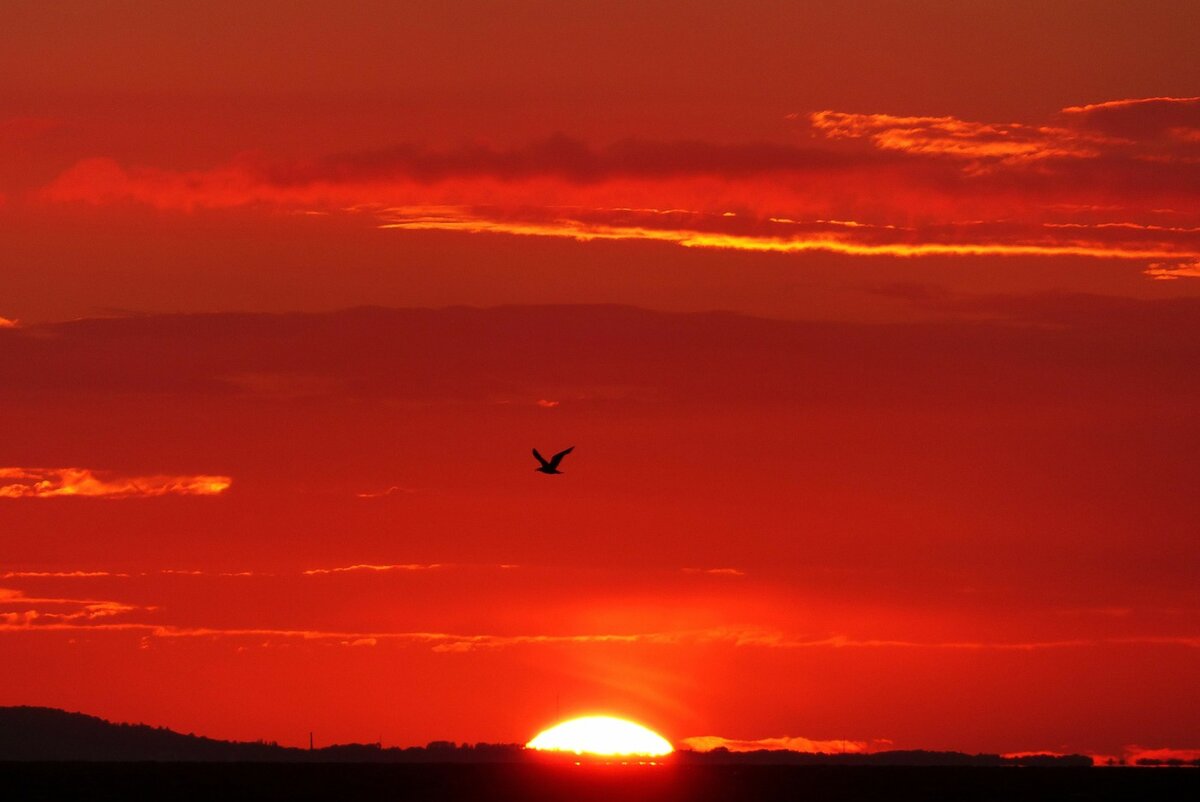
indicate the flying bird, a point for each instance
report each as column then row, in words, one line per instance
column 551, row 466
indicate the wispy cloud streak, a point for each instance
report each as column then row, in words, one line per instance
column 83, row 482
column 363, row 567
column 779, row 235
column 61, row 574
column 26, row 619
column 27, row 612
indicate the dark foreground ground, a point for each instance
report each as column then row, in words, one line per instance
column 353, row 782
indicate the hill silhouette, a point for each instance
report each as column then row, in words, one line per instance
column 49, row 734
column 45, row 733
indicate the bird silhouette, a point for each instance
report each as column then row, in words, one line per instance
column 551, row 466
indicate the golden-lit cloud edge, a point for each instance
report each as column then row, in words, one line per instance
column 784, row 236
column 365, row 567
column 100, row 574
column 1115, row 180
column 17, row 483
column 28, row 612
column 707, row 743
column 1170, row 272
column 75, row 574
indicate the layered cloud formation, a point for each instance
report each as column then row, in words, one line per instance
column 1111, row 180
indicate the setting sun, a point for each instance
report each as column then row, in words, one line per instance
column 601, row 735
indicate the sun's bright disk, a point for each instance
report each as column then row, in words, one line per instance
column 601, row 735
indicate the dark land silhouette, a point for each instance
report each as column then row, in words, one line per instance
column 526, row 782
column 49, row 754
column 49, row 734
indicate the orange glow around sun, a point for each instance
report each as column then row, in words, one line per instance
column 601, row 735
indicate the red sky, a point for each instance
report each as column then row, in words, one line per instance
column 875, row 328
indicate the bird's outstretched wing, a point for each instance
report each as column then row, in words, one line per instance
column 557, row 458
column 540, row 458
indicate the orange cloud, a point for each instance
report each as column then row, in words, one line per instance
column 83, row 620
column 1170, row 272
column 23, row 612
column 192, row 572
column 82, row 482
column 707, row 743
column 59, row 574
column 1128, row 128
column 103, row 180
column 781, row 235
column 715, row 571
column 375, row 568
column 840, row 641
column 1135, row 754
column 5, row 323
column 394, row 490
column 1140, row 118
column 950, row 136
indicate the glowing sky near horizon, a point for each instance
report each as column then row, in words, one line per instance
column 874, row 326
